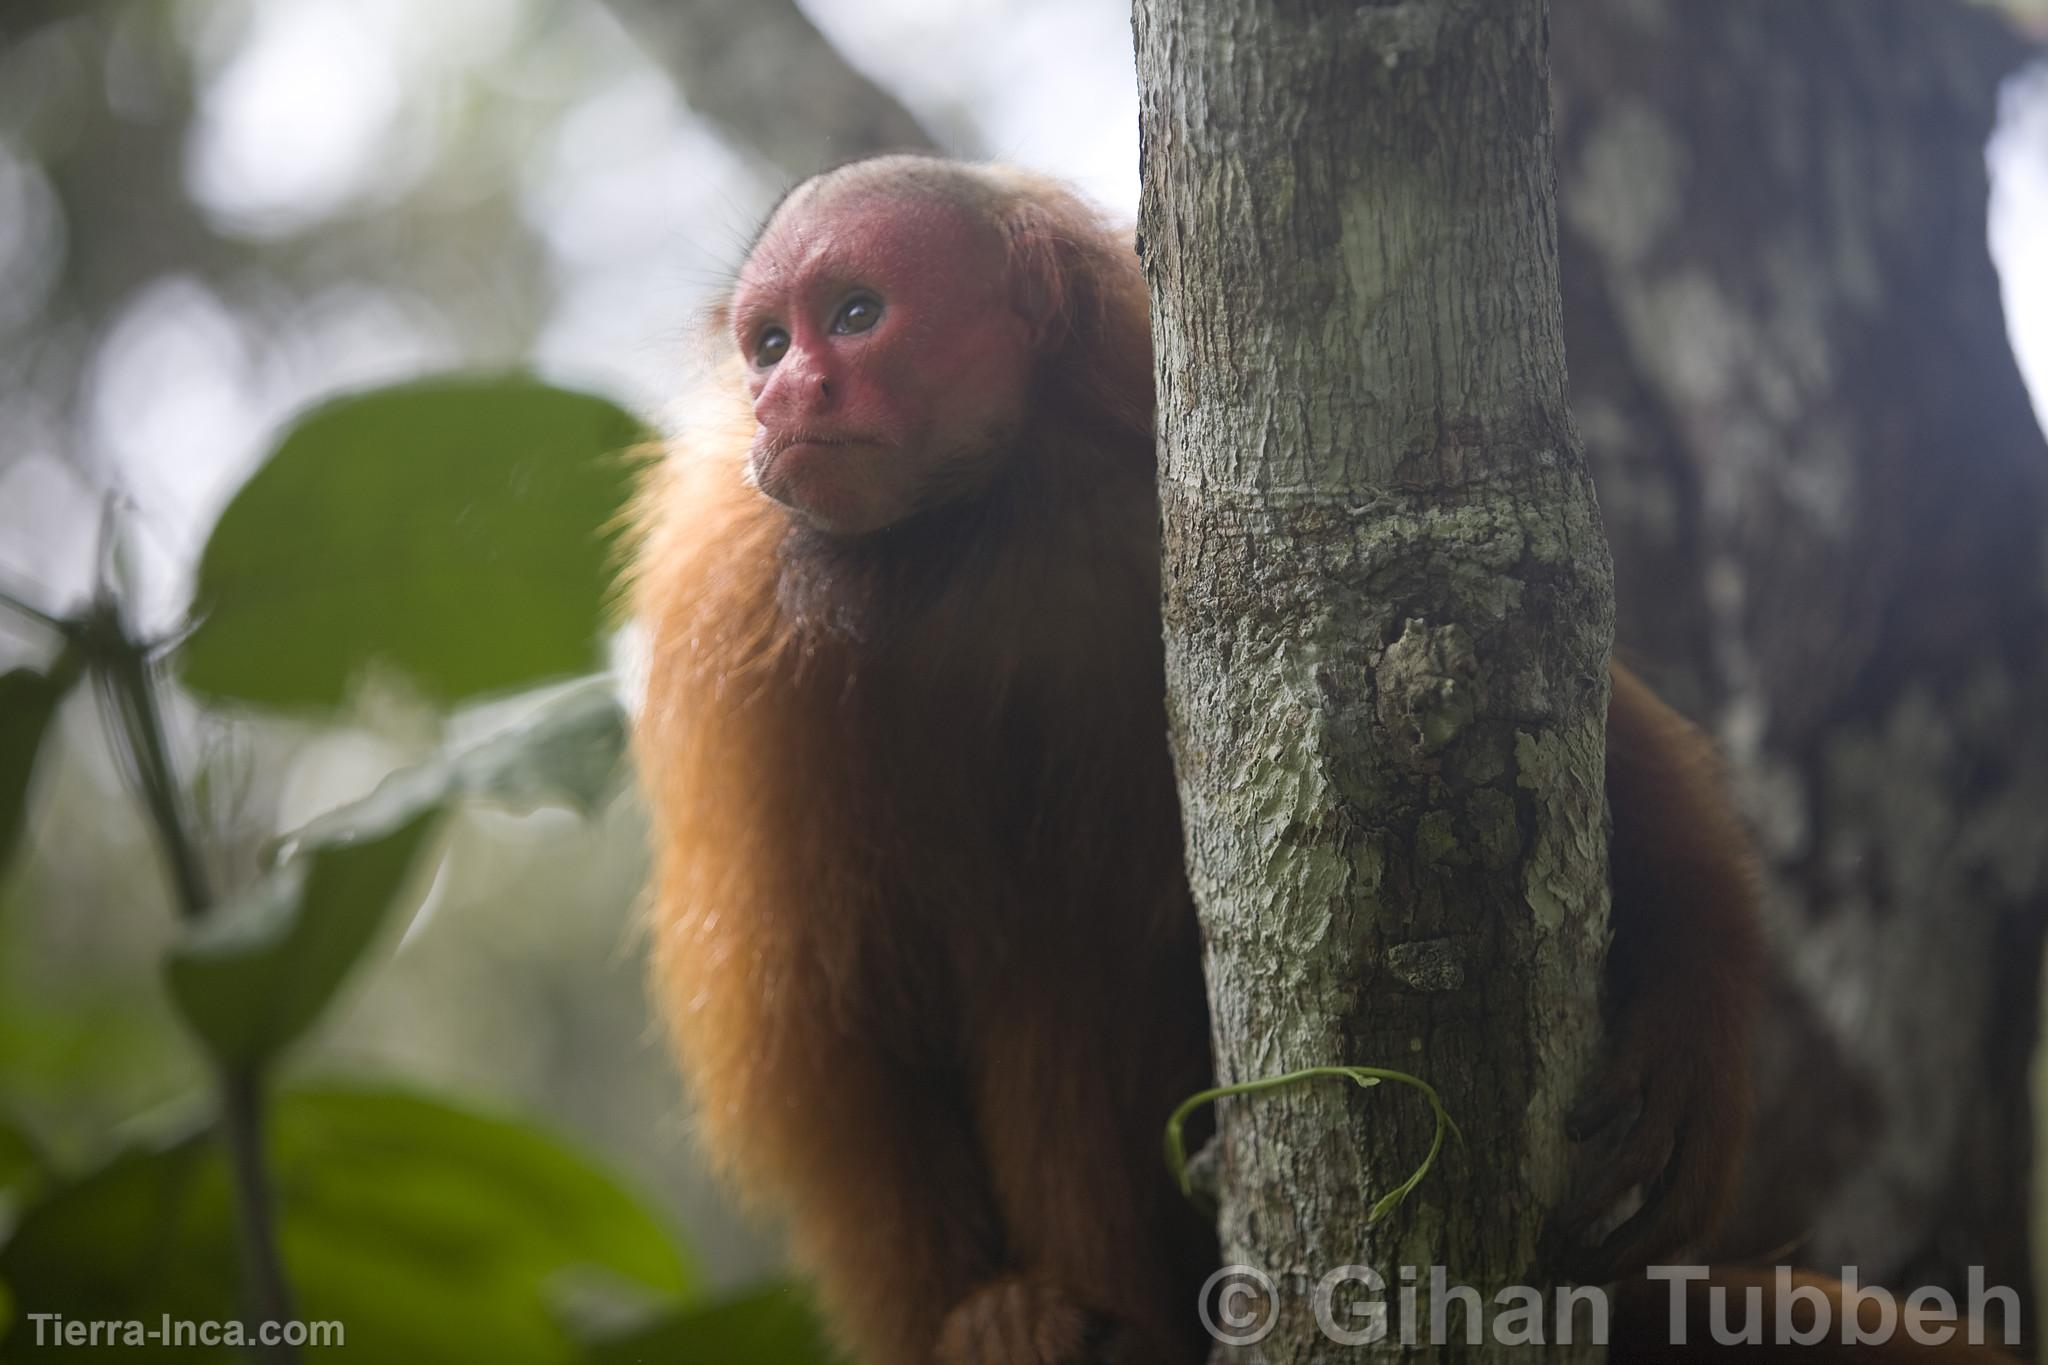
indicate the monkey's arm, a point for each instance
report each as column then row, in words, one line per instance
column 874, row 1162
column 891, row 1206
column 1668, row 1108
column 1109, row 1255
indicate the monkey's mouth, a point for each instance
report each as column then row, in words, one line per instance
column 805, row 446
column 799, row 457
column 817, row 475
column 781, row 445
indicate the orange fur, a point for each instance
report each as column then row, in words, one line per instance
column 922, row 928
column 1684, row 978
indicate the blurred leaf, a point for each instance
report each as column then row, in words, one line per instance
column 131, row 1235
column 28, row 702
column 454, row 528
column 566, row 752
column 773, row 1325
column 255, row 974
column 431, row 1234
column 22, row 1165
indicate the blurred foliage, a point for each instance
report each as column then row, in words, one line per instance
column 429, row 1232
column 566, row 751
column 22, row 1165
column 450, row 498
column 254, row 975
column 214, row 213
column 28, row 702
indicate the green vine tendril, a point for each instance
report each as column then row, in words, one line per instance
column 1364, row 1076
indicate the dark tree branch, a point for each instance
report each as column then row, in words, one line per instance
column 764, row 74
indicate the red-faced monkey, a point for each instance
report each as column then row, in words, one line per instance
column 921, row 923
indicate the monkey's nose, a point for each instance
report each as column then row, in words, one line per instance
column 799, row 391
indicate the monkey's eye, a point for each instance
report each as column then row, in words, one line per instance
column 857, row 314
column 769, row 346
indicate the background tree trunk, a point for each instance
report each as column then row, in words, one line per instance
column 1827, row 496
column 1387, row 614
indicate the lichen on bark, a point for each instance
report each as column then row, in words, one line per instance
column 1387, row 611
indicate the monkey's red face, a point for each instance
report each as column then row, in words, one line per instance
column 887, row 363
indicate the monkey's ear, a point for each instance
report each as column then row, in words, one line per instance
column 1041, row 274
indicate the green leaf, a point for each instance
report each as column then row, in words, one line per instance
column 455, row 529
column 28, row 702
column 22, row 1164
column 772, row 1325
column 433, row 1235
column 255, row 974
column 121, row 1238
column 566, row 752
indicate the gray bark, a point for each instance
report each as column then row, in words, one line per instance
column 1827, row 495
column 1387, row 614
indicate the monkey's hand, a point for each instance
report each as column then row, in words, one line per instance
column 1026, row 1320
column 1664, row 1119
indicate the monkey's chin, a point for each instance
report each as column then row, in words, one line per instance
column 831, row 486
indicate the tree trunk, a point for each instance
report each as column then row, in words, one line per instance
column 1387, row 614
column 1827, row 495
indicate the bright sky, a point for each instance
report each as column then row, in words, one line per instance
column 2018, row 158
